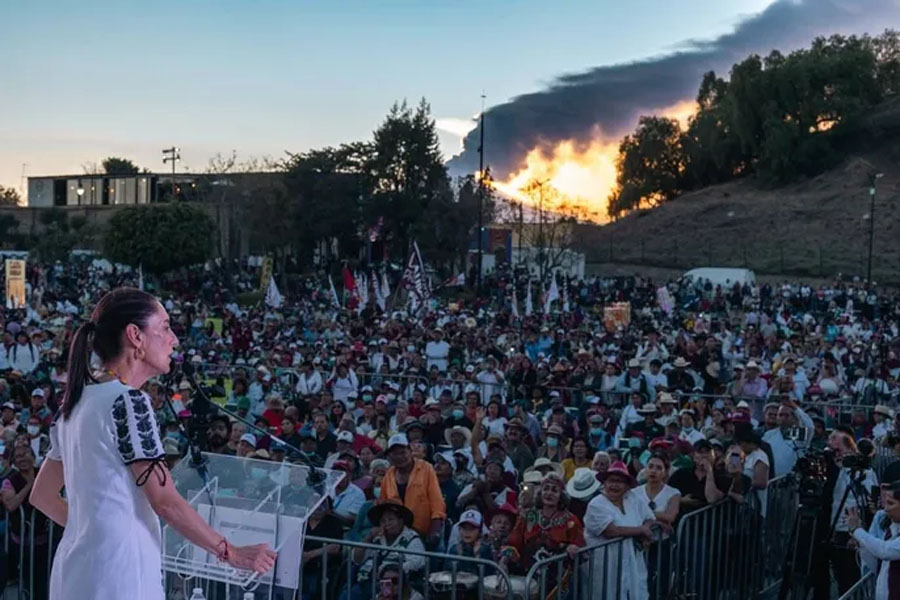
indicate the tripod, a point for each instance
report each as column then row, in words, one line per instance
column 797, row 576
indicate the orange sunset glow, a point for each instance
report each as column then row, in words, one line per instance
column 583, row 174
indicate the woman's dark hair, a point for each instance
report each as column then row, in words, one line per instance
column 103, row 336
column 660, row 456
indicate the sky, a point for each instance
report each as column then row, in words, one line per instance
column 80, row 81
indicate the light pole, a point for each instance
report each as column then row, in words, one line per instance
column 875, row 178
column 480, row 194
column 80, row 192
column 172, row 155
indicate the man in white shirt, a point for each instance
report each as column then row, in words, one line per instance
column 656, row 379
column 491, row 380
column 309, row 382
column 23, row 356
column 784, row 449
column 884, row 419
column 348, row 498
column 437, row 351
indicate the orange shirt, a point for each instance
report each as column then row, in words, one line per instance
column 423, row 495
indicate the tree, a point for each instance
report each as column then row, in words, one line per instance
column 56, row 239
column 8, row 226
column 407, row 179
column 9, row 196
column 113, row 165
column 161, row 237
column 650, row 165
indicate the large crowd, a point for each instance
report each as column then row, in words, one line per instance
column 476, row 427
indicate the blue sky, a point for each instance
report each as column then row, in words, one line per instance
column 83, row 80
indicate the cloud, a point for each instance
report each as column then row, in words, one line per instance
column 610, row 99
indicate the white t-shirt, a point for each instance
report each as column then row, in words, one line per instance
column 870, row 480
column 437, row 352
column 661, row 501
column 757, row 456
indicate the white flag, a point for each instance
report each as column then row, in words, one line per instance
column 141, row 276
column 385, row 287
column 273, row 296
column 379, row 296
column 529, row 304
column 362, row 288
column 515, row 305
column 565, row 301
column 334, row 297
column 416, row 280
column 552, row 294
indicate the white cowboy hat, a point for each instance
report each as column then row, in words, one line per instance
column 584, row 483
column 465, row 431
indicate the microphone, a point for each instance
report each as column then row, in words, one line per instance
column 316, row 475
column 197, row 461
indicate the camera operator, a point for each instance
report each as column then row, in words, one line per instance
column 879, row 548
column 853, row 481
column 788, row 439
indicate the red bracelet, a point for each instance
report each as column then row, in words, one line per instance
column 222, row 550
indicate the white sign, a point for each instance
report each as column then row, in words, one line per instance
column 245, row 527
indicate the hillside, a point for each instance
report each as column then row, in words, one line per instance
column 818, row 227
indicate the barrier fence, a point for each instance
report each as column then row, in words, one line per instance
column 864, row 589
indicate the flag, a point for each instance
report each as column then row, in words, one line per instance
column 664, row 299
column 273, row 296
column 552, row 294
column 379, row 295
column 349, row 287
column 565, row 305
column 362, row 292
column 515, row 306
column 416, row 280
column 385, row 287
column 334, row 297
column 141, row 276
column 529, row 304
column 457, row 281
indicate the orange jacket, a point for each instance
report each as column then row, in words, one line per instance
column 423, row 495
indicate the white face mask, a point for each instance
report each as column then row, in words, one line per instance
column 33, row 429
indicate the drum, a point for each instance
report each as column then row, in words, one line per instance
column 495, row 588
column 442, row 581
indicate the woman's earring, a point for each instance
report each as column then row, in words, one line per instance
column 139, row 354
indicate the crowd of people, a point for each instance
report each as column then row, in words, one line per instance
column 479, row 427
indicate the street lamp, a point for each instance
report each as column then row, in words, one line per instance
column 172, row 155
column 875, row 178
column 80, row 192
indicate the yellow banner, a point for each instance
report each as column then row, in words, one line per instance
column 15, row 283
column 265, row 273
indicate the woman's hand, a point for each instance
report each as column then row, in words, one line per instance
column 571, row 549
column 258, row 557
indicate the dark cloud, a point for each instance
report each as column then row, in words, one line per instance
column 612, row 98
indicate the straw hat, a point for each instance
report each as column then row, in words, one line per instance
column 584, row 483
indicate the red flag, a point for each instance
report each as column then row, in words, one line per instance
column 350, row 287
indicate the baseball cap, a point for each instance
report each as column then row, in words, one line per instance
column 345, row 436
column 472, row 517
column 39, row 392
column 398, row 439
column 249, row 438
column 9, row 405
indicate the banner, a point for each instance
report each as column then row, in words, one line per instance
column 273, row 296
column 15, row 283
column 617, row 314
column 266, row 273
column 416, row 280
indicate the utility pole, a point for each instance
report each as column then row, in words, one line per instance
column 481, row 192
column 172, row 155
column 22, row 182
column 541, row 228
column 875, row 178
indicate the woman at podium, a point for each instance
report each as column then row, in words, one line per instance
column 106, row 451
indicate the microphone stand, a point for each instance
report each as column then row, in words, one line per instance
column 316, row 476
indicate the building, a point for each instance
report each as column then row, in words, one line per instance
column 139, row 188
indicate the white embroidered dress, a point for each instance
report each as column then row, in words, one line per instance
column 111, row 547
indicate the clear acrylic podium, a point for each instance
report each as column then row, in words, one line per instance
column 248, row 501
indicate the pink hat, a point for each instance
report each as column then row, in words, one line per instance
column 617, row 468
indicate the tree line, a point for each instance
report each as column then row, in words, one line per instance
column 779, row 118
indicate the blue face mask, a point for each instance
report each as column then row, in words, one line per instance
column 596, row 431
column 552, row 442
column 458, row 414
column 377, row 491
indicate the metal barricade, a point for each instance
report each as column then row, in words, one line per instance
column 716, row 551
column 781, row 509
column 461, row 578
column 593, row 573
column 864, row 589
column 884, row 457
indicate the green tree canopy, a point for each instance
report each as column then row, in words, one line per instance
column 161, row 237
column 9, row 196
column 114, row 165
